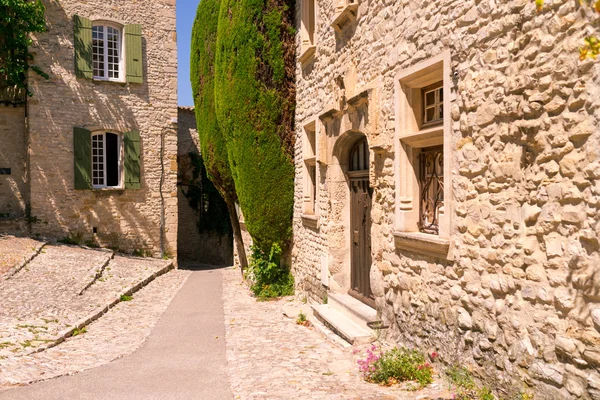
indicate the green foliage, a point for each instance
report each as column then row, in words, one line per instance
column 591, row 48
column 254, row 95
column 202, row 71
column 203, row 197
column 77, row 331
column 125, row 297
column 75, row 238
column 269, row 279
column 466, row 386
column 18, row 18
column 301, row 320
column 396, row 365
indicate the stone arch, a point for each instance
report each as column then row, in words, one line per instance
column 338, row 188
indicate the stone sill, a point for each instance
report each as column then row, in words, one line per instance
column 344, row 17
column 108, row 189
column 307, row 54
column 423, row 243
column 310, row 221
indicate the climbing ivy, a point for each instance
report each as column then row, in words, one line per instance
column 18, row 18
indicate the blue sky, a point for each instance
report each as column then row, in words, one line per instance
column 186, row 12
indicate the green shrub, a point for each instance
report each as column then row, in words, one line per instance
column 467, row 388
column 254, row 98
column 268, row 278
column 396, row 365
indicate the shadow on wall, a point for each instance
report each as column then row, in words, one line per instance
column 129, row 219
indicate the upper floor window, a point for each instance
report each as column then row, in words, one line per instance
column 106, row 52
column 433, row 104
column 307, row 31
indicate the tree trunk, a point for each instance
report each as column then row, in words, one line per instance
column 237, row 236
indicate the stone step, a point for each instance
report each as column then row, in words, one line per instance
column 342, row 326
column 360, row 313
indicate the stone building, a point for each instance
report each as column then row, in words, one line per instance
column 447, row 177
column 92, row 155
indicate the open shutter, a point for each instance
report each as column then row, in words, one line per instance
column 132, row 160
column 133, row 53
column 82, row 149
column 83, row 47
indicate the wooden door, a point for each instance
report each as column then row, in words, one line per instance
column 360, row 223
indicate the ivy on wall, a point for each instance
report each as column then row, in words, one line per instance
column 18, row 18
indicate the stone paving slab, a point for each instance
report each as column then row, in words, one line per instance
column 14, row 251
column 118, row 333
column 64, row 288
column 271, row 357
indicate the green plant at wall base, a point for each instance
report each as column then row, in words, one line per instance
column 591, row 48
column 73, row 238
column 395, row 366
column 125, row 297
column 18, row 18
column 269, row 279
column 467, row 388
column 254, row 93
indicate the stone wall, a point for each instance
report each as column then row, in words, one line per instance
column 518, row 299
column 193, row 246
column 13, row 156
column 127, row 219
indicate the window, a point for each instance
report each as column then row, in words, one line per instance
column 431, row 188
column 308, row 24
column 311, row 176
column 423, row 140
column 106, row 160
column 345, row 12
column 433, row 104
column 106, row 52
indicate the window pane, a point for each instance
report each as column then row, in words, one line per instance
column 430, row 114
column 429, row 98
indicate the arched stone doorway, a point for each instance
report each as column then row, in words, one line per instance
column 360, row 222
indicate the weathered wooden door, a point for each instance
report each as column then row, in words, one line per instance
column 360, row 223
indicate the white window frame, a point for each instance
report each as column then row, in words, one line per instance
column 411, row 136
column 120, row 46
column 310, row 157
column 104, row 164
column 308, row 30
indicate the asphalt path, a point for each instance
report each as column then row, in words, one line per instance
column 183, row 358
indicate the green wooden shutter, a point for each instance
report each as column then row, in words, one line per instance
column 132, row 160
column 83, row 47
column 133, row 53
column 82, row 149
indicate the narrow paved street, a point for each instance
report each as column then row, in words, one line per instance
column 214, row 341
column 184, row 357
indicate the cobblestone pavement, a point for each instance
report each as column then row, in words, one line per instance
column 15, row 250
column 61, row 288
column 270, row 357
column 119, row 332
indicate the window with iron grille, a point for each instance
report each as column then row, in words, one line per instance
column 433, row 104
column 106, row 52
column 431, row 186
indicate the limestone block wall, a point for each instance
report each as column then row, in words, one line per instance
column 128, row 219
column 193, row 246
column 519, row 296
column 13, row 156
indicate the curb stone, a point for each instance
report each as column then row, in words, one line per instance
column 62, row 336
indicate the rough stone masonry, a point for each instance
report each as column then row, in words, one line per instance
column 130, row 219
column 518, row 297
